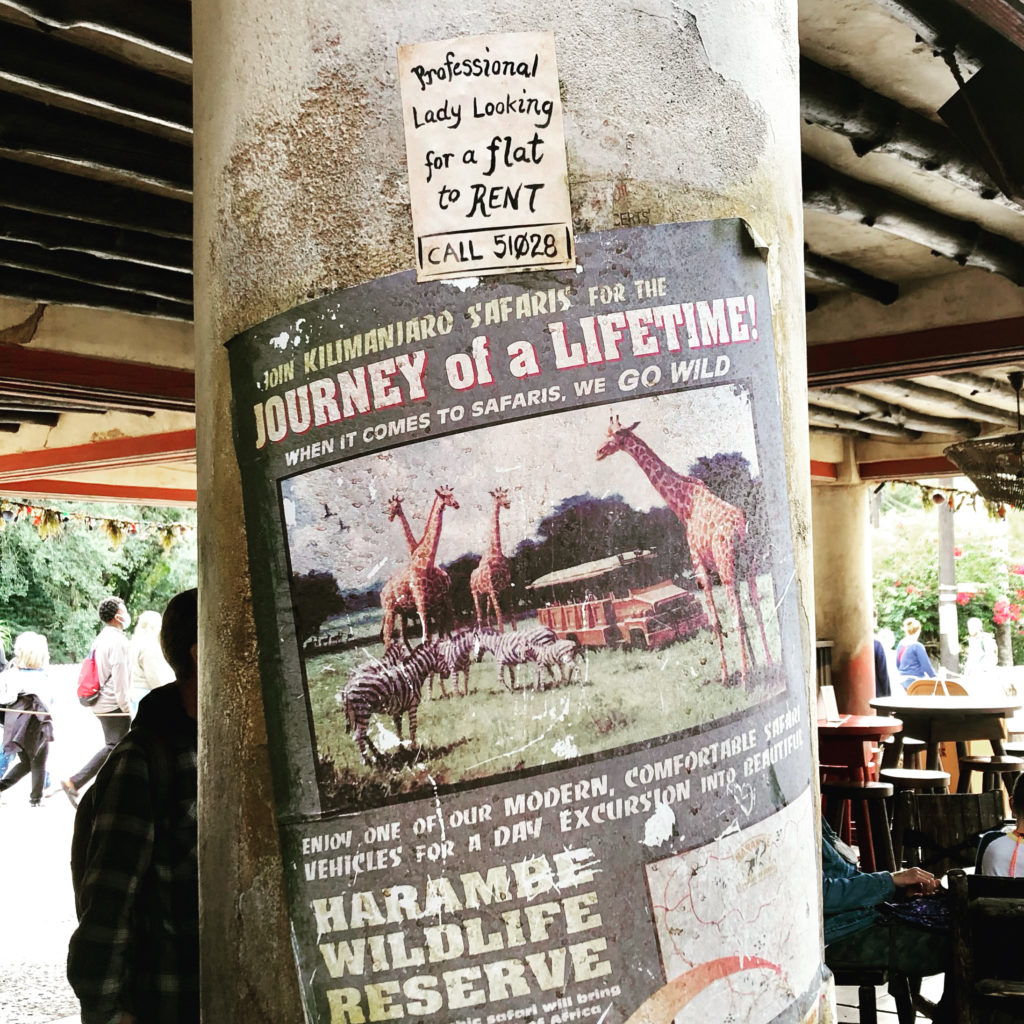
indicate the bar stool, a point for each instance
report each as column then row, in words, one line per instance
column 865, row 803
column 911, row 754
column 921, row 779
column 994, row 768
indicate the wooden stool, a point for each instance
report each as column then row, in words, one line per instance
column 913, row 752
column 994, row 769
column 864, row 802
column 920, row 779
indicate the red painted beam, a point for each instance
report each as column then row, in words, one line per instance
column 939, row 350
column 81, row 490
column 907, row 469
column 824, row 470
column 22, row 369
column 147, row 450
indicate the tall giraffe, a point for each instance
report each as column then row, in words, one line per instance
column 715, row 532
column 442, row 581
column 417, row 579
column 492, row 575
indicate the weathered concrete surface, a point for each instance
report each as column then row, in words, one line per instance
column 688, row 110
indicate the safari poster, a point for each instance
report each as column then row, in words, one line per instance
column 525, row 596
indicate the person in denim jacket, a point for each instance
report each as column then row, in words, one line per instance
column 858, row 932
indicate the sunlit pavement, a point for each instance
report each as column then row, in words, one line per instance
column 37, row 905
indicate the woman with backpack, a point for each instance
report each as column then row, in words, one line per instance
column 28, row 727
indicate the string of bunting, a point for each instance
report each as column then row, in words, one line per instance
column 49, row 522
column 933, row 496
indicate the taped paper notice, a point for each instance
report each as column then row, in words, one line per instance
column 486, row 152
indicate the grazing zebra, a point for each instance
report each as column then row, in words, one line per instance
column 456, row 652
column 560, row 655
column 375, row 687
column 540, row 636
column 509, row 650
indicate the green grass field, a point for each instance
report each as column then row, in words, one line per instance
column 621, row 697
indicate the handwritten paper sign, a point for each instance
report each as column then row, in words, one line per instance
column 486, row 152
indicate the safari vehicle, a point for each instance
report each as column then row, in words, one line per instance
column 612, row 602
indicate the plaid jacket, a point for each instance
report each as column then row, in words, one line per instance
column 134, row 865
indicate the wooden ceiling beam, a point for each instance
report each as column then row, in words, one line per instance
column 95, row 239
column 46, row 64
column 828, row 191
column 76, row 266
column 830, row 271
column 820, row 416
column 88, row 380
column 876, row 124
column 902, row 391
column 43, row 130
column 66, row 195
column 45, row 288
column 938, row 350
column 865, row 405
column 164, row 26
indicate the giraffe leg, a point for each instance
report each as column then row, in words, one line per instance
column 492, row 598
column 734, row 600
column 705, row 581
column 476, row 604
column 755, row 600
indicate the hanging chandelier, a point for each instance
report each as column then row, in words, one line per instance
column 995, row 464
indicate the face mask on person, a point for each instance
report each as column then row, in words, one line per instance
column 124, row 617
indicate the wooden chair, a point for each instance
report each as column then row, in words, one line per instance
column 988, row 970
column 935, row 688
column 939, row 831
column 866, row 980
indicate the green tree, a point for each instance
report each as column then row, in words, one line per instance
column 53, row 585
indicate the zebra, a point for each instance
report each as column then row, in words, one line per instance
column 456, row 651
column 375, row 687
column 509, row 650
column 540, row 636
column 561, row 654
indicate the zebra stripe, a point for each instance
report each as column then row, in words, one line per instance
column 455, row 652
column 377, row 688
column 509, row 649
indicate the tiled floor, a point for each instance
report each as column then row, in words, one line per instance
column 846, row 1002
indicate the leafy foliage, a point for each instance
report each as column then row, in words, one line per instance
column 54, row 585
column 315, row 599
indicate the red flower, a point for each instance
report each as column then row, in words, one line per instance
column 957, row 552
column 964, row 598
column 1018, row 568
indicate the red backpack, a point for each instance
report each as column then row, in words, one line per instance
column 89, row 681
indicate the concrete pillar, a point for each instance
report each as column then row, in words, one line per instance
column 687, row 111
column 842, row 589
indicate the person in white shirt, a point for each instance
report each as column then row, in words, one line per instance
column 981, row 649
column 1003, row 856
column 113, row 708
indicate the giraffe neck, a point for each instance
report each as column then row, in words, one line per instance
column 410, row 537
column 495, row 545
column 676, row 489
column 427, row 547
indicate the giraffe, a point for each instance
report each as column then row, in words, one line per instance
column 492, row 575
column 442, row 581
column 417, row 581
column 715, row 532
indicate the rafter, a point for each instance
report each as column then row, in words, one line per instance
column 828, row 191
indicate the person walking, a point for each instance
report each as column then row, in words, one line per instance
column 28, row 727
column 134, row 957
column 113, row 664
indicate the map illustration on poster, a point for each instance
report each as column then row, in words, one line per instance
column 529, row 641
